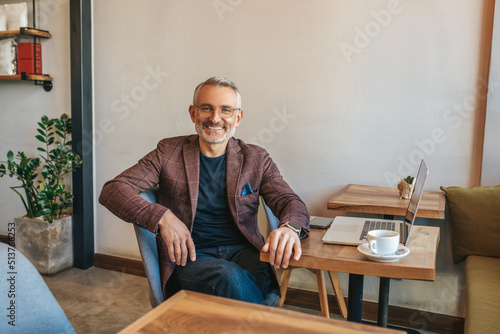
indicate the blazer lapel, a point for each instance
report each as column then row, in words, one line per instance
column 234, row 162
column 191, row 153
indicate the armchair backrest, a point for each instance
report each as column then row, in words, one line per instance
column 271, row 218
column 149, row 255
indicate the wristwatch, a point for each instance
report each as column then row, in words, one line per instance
column 293, row 226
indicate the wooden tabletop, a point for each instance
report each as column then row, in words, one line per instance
column 419, row 264
column 382, row 200
column 192, row 312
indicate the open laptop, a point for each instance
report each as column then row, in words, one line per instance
column 353, row 230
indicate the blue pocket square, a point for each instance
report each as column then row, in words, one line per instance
column 247, row 190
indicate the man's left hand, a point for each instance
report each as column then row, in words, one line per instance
column 280, row 244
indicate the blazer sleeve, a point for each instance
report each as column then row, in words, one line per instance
column 281, row 199
column 121, row 194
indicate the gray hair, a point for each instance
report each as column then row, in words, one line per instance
column 218, row 82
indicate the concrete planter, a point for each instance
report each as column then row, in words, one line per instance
column 49, row 247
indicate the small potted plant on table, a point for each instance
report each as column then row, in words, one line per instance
column 44, row 234
column 406, row 186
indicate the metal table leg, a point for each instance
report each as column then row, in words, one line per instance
column 355, row 298
column 383, row 301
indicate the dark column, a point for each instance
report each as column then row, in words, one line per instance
column 383, row 301
column 81, row 113
column 355, row 298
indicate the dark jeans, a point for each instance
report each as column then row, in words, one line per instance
column 228, row 271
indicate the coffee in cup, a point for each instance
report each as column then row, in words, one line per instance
column 383, row 242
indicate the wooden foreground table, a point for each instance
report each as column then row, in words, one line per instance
column 192, row 312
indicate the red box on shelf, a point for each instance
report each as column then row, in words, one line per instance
column 26, row 51
column 28, row 66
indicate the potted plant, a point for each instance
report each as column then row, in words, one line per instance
column 406, row 186
column 44, row 234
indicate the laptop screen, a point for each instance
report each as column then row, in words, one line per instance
column 414, row 201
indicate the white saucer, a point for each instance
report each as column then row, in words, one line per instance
column 364, row 249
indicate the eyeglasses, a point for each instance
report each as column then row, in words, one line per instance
column 208, row 111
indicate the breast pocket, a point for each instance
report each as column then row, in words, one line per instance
column 248, row 203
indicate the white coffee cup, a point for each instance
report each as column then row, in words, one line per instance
column 383, row 242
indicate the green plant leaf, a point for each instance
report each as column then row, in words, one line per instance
column 42, row 212
column 10, row 156
column 409, row 179
column 41, row 187
column 45, row 172
column 32, row 165
column 40, row 124
column 43, row 202
column 40, row 138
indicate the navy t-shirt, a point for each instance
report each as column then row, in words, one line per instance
column 213, row 223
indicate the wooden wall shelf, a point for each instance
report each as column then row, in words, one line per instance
column 25, row 32
column 39, row 79
column 31, row 77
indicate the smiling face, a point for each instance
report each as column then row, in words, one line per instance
column 215, row 131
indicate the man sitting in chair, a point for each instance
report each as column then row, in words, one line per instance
column 208, row 198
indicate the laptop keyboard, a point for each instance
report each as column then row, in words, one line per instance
column 376, row 225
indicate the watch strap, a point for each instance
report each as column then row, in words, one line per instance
column 297, row 229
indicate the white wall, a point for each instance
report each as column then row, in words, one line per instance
column 490, row 175
column 22, row 104
column 331, row 103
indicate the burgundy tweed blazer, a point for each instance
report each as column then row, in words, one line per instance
column 174, row 166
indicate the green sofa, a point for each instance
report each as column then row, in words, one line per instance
column 475, row 228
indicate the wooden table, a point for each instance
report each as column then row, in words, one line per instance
column 385, row 201
column 420, row 264
column 192, row 312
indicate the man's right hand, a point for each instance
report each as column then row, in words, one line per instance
column 178, row 239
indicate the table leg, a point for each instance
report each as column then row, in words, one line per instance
column 323, row 296
column 284, row 285
column 383, row 301
column 334, row 278
column 355, row 298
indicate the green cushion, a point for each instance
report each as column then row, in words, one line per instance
column 475, row 221
column 483, row 295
